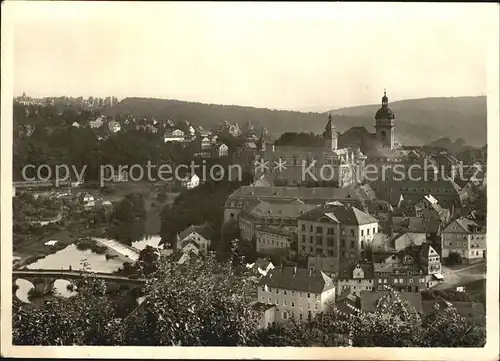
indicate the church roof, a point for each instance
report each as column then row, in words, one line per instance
column 384, row 113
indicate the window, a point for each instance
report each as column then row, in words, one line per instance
column 316, row 307
column 269, row 300
column 262, row 299
column 329, row 252
column 401, row 280
column 277, row 291
column 300, row 316
column 301, row 294
column 308, row 295
column 303, row 227
column 352, row 232
column 303, row 239
column 342, row 242
column 284, row 292
column 319, row 229
column 373, row 230
column 285, row 315
column 311, row 228
column 330, row 230
column 362, row 244
column 308, row 306
column 293, row 304
column 395, row 280
column 284, row 303
column 311, row 239
column 263, row 288
column 352, row 244
column 277, row 302
column 319, row 240
column 293, row 293
column 380, row 280
column 362, row 233
column 368, row 231
column 385, row 280
column 329, row 241
column 270, row 289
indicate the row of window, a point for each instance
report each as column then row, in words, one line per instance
column 401, row 280
column 288, row 315
column 272, row 242
column 330, row 242
column 331, row 231
column 285, row 292
column 292, row 304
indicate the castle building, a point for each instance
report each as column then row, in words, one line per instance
column 326, row 165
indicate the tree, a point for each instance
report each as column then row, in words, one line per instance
column 173, row 312
column 148, row 259
column 454, row 258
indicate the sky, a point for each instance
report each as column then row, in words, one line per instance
column 304, row 56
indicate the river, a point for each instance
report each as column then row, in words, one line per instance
column 73, row 257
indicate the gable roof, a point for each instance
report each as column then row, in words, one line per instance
column 297, row 279
column 203, row 230
column 340, row 214
column 465, row 225
column 420, row 225
column 286, row 210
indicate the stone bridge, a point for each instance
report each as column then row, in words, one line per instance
column 43, row 279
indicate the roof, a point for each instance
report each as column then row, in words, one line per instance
column 420, row 225
column 284, row 210
column 203, row 230
column 303, row 193
column 369, row 299
column 367, row 267
column 274, row 230
column 297, row 279
column 465, row 226
column 384, row 113
column 340, row 214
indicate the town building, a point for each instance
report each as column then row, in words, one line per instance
column 190, row 181
column 260, row 267
column 264, row 214
column 465, row 237
column 428, row 208
column 263, row 314
column 251, row 195
column 97, row 123
column 195, row 238
column 340, row 231
column 412, row 269
column 270, row 239
column 87, row 200
column 296, row 292
column 355, row 279
column 222, row 150
column 326, row 166
column 370, row 301
column 176, row 135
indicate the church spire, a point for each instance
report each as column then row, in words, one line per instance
column 330, row 134
column 385, row 99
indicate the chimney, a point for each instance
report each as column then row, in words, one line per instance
column 311, row 271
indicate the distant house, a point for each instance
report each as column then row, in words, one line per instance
column 190, row 181
column 192, row 131
column 87, row 200
column 205, row 143
column 356, row 278
column 114, row 126
column 97, row 123
column 264, row 314
column 297, row 292
column 215, row 139
column 428, row 208
column 198, row 237
column 465, row 237
column 261, row 266
column 178, row 133
column 75, row 125
column 222, row 150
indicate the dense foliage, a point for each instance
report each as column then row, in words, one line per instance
column 208, row 304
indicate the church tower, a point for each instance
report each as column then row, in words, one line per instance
column 384, row 124
column 330, row 135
